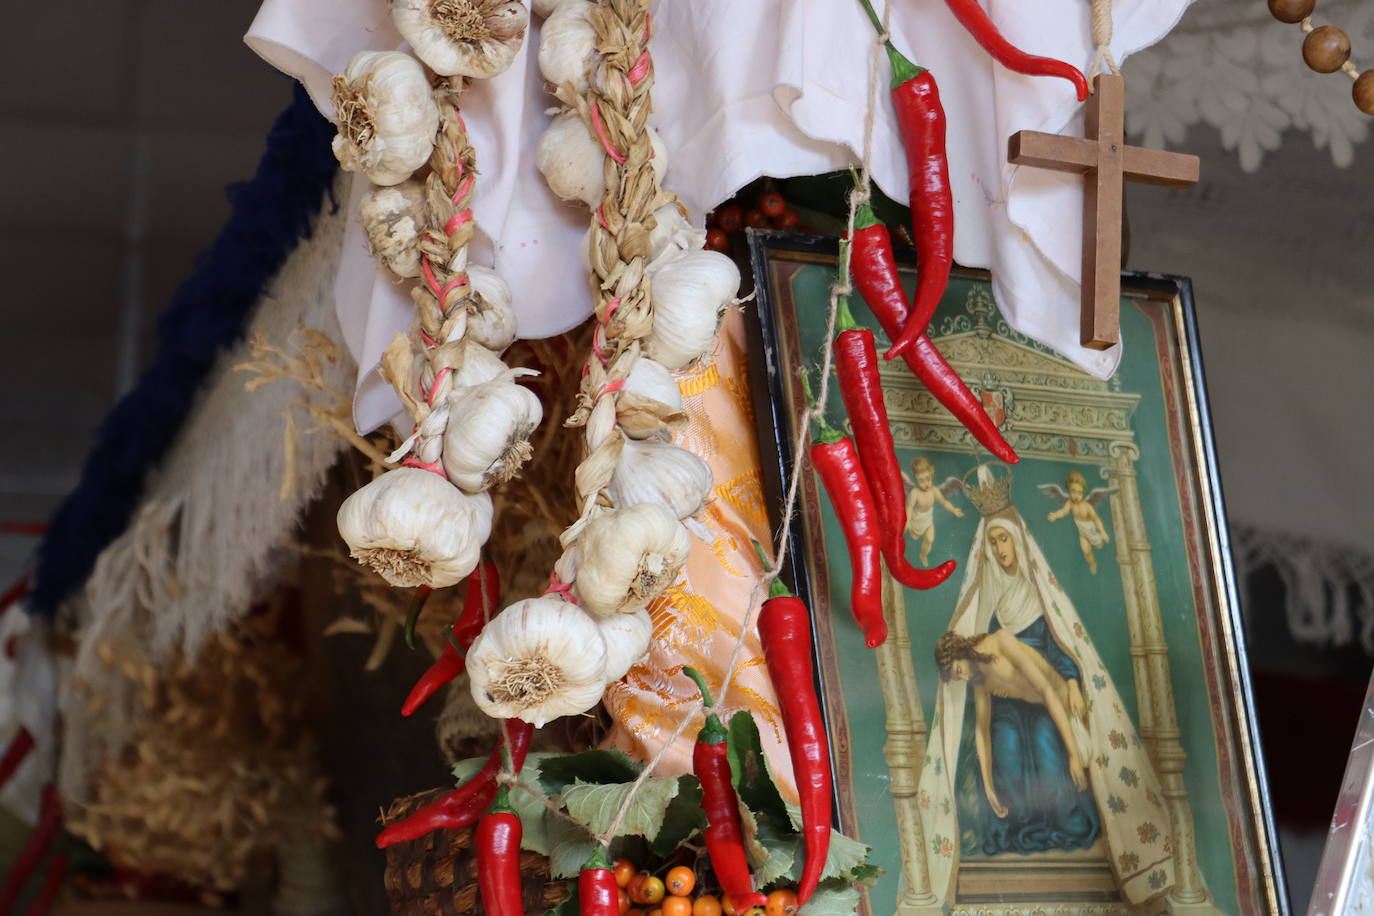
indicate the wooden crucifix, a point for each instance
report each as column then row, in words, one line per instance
column 1105, row 161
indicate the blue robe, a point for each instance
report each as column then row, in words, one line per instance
column 1030, row 771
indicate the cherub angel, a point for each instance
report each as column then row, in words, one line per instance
column 1092, row 534
column 920, row 504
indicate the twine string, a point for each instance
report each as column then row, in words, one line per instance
column 1102, row 38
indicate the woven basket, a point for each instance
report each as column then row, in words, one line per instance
column 436, row 875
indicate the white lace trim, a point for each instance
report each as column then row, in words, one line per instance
column 1230, row 64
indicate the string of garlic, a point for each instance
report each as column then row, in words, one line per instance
column 659, row 298
column 425, row 522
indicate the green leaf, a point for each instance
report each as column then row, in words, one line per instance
column 528, row 806
column 597, row 805
column 464, row 769
column 683, row 818
column 749, row 768
column 558, row 771
column 865, row 875
column 774, row 853
column 832, row 899
column 845, row 857
column 569, row 846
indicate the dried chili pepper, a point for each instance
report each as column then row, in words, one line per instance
column 498, row 859
column 785, row 629
column 842, row 475
column 973, row 18
column 483, row 587
column 34, row 849
column 856, row 365
column 875, row 276
column 465, row 804
column 598, row 894
column 725, row 831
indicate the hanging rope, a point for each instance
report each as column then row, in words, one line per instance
column 1102, row 38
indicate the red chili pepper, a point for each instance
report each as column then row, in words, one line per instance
column 35, row 847
column 785, row 629
column 973, row 18
column 52, row 884
column 856, row 365
column 597, row 892
column 465, row 804
column 498, row 859
column 875, row 276
column 725, row 833
column 483, row 587
column 842, row 475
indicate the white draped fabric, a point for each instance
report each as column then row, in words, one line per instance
column 746, row 88
column 1125, row 788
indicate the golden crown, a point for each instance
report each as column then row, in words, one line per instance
column 990, row 492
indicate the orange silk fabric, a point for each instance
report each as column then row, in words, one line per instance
column 697, row 621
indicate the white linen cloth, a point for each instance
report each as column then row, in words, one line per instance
column 745, row 88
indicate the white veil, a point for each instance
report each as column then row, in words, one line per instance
column 1135, row 824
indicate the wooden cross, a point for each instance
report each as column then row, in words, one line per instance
column 1105, row 161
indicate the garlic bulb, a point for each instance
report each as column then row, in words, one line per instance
column 690, row 294
column 479, row 365
column 572, row 160
column 661, row 473
column 386, row 116
column 493, row 323
column 544, row 8
column 539, row 659
column 627, row 642
column 392, row 217
column 672, row 233
column 415, row 528
column 477, row 38
column 487, row 438
column 626, row 557
column 567, row 45
column 650, row 379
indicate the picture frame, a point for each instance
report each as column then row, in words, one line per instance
column 1172, row 814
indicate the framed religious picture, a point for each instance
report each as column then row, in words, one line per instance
column 1063, row 726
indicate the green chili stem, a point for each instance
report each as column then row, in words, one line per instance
column 776, row 589
column 825, row 433
column 421, row 596
column 700, row 678
column 902, row 69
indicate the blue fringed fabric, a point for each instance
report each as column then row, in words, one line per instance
column 270, row 215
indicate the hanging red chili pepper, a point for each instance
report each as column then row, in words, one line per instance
column 842, row 475
column 785, row 630
column 498, row 859
column 875, row 276
column 973, row 18
column 598, row 894
column 725, row 833
column 856, row 366
column 40, row 839
column 921, row 119
column 483, row 587
column 465, row 804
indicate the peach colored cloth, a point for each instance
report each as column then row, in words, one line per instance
column 697, row 620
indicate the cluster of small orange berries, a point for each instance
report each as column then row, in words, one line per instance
column 643, row 893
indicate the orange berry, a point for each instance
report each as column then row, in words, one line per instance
column 656, row 911
column 651, row 890
column 624, row 871
column 706, row 905
column 676, row 906
column 782, row 902
column 727, row 906
column 624, row 899
column 680, row 881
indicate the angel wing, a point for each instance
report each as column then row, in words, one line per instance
column 951, row 486
column 1099, row 494
column 1054, row 491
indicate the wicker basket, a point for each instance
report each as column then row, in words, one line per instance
column 436, row 875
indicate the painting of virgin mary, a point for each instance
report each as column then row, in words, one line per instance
column 1054, row 757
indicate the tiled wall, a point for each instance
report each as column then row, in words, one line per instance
column 120, row 125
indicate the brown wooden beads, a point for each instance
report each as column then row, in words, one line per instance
column 1364, row 92
column 1325, row 48
column 1291, row 11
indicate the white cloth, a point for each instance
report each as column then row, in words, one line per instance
column 1124, row 784
column 744, row 89
column 28, row 700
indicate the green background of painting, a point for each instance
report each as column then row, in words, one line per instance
column 1098, row 599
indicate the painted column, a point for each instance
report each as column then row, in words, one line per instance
column 1150, row 658
column 904, row 751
